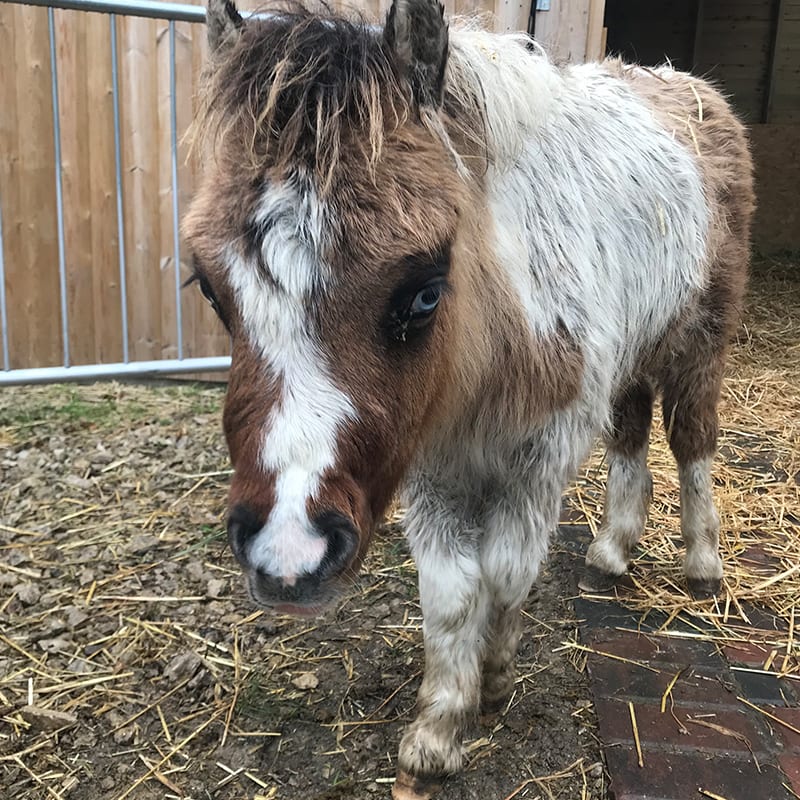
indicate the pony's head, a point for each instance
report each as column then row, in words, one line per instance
column 337, row 235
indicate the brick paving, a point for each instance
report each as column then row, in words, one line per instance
column 706, row 742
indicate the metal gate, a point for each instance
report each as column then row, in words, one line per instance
column 127, row 366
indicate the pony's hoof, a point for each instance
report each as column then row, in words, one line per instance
column 703, row 588
column 491, row 707
column 409, row 787
column 595, row 581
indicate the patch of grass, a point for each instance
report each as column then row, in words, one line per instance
column 395, row 552
column 59, row 407
column 77, row 409
column 101, row 405
column 210, row 535
column 259, row 703
column 200, row 398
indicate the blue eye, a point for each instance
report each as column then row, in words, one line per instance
column 411, row 314
column 426, row 301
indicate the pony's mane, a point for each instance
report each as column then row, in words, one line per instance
column 295, row 83
column 298, row 86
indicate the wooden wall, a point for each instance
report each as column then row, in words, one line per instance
column 776, row 153
column 28, row 188
column 784, row 100
column 751, row 48
column 734, row 44
column 652, row 32
column 572, row 30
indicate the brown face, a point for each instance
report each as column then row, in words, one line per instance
column 343, row 312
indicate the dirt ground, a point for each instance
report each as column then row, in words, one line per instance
column 124, row 624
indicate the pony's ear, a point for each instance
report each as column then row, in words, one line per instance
column 417, row 36
column 223, row 22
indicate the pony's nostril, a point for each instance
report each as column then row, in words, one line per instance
column 243, row 525
column 341, row 539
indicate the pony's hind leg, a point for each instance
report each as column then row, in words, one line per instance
column 691, row 386
column 629, row 490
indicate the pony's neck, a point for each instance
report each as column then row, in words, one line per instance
column 505, row 88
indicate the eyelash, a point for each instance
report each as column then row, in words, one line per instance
column 208, row 294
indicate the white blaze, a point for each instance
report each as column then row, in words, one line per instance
column 299, row 439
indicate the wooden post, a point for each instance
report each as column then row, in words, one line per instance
column 571, row 31
column 698, row 34
column 595, row 41
column 775, row 37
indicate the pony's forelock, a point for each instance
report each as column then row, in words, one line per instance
column 298, row 87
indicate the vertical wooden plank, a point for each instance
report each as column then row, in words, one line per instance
column 563, row 30
column 194, row 320
column 184, row 87
column 166, row 266
column 698, row 34
column 190, row 52
column 594, row 31
column 205, row 335
column 772, row 61
column 107, row 321
column 9, row 163
column 74, row 107
column 33, row 293
column 472, row 7
column 512, row 15
column 449, row 7
column 139, row 119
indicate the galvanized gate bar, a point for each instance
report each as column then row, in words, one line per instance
column 62, row 260
column 133, row 369
column 3, row 312
column 173, row 145
column 132, row 8
column 123, row 280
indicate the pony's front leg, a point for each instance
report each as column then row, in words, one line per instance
column 455, row 610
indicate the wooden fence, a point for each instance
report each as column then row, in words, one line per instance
column 91, row 243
